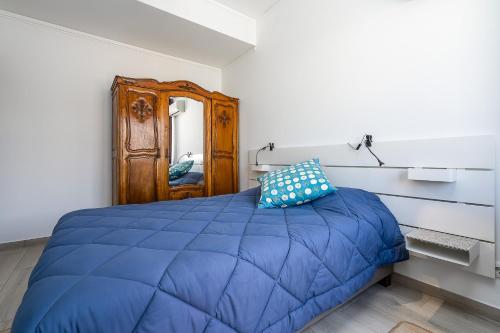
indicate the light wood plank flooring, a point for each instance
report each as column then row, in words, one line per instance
column 379, row 309
column 16, row 264
column 376, row 310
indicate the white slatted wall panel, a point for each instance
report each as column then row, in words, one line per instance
column 465, row 207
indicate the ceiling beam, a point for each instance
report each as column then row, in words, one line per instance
column 212, row 15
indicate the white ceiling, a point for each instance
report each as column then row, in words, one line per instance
column 252, row 8
column 136, row 23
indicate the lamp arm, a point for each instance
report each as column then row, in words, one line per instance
column 367, row 140
column 380, row 163
column 257, row 155
column 359, row 145
column 270, row 145
column 188, row 154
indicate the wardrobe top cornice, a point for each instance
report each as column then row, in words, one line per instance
column 182, row 85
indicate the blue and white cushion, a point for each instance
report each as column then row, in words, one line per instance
column 295, row 185
column 180, row 169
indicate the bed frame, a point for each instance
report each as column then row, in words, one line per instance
column 441, row 189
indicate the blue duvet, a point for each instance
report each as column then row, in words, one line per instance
column 207, row 265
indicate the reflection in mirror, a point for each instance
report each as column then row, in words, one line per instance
column 186, row 135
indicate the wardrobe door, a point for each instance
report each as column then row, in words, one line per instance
column 224, row 147
column 144, row 168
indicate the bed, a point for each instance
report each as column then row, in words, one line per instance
column 213, row 264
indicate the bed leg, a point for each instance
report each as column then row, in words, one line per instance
column 385, row 282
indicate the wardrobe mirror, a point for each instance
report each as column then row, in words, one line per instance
column 186, row 147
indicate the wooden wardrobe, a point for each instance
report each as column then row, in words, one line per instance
column 142, row 144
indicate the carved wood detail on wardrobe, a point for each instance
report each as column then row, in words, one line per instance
column 142, row 139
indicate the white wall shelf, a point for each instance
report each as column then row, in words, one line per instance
column 433, row 175
column 455, row 249
column 260, row 167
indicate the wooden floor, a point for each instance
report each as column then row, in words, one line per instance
column 376, row 310
column 16, row 264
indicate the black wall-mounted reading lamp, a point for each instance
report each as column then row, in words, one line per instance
column 188, row 154
column 270, row 145
column 367, row 140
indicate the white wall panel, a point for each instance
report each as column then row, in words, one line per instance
column 460, row 219
column 473, row 152
column 472, row 186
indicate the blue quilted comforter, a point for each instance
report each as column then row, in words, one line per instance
column 207, row 265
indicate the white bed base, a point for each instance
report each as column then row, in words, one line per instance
column 454, row 193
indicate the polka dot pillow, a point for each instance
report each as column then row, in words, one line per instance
column 293, row 186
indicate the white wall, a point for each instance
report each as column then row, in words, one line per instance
column 327, row 71
column 55, row 118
